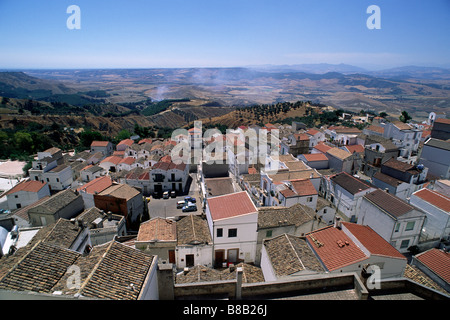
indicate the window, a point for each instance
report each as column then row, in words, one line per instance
column 410, row 226
column 324, row 210
column 310, row 199
column 268, row 233
column 404, row 244
column 397, row 227
column 219, row 232
column 57, row 179
column 232, row 233
column 16, row 196
column 18, row 205
column 48, row 180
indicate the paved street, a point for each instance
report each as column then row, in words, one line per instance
column 167, row 208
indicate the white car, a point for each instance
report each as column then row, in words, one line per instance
column 166, row 195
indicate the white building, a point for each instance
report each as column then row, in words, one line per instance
column 396, row 221
column 232, row 221
column 434, row 156
column 405, row 137
column 194, row 245
column 437, row 209
column 26, row 193
column 346, row 192
column 104, row 147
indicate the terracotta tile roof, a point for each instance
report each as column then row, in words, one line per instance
column 119, row 153
column 399, row 165
column 99, row 143
column 163, row 165
column 231, row 205
column 303, row 187
column 27, row 186
column 435, row 198
column 128, row 160
column 401, row 126
column 301, row 136
column 121, row 191
column 437, row 261
column 339, row 153
column 378, row 129
column 350, row 183
column 298, row 214
column 56, row 202
column 157, row 229
column 127, row 142
column 350, row 130
column 250, row 273
column 315, row 157
column 312, row 131
column 113, row 271
column 334, row 248
column 442, row 120
column 372, row 241
column 296, row 165
column 294, row 175
column 416, row 275
column 355, row 148
column 389, row 203
column 289, row 254
column 145, row 140
column 112, row 159
column 193, row 230
column 40, row 269
column 199, row 273
column 97, row 185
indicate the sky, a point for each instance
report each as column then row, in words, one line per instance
column 222, row 33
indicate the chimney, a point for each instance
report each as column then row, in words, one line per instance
column 185, row 270
column 109, row 215
column 337, row 223
column 239, row 272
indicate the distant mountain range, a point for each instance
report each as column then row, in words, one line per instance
column 419, row 90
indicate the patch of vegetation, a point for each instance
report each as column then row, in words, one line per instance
column 161, row 106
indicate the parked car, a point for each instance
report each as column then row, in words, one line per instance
column 190, row 199
column 156, row 195
column 181, row 204
column 189, row 207
column 173, row 194
column 166, row 195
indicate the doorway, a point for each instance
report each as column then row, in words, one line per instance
column 219, row 257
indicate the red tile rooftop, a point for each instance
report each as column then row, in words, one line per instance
column 112, row 159
column 437, row 261
column 355, row 148
column 157, row 229
column 334, row 248
column 128, row 160
column 312, row 131
column 231, row 205
column 322, row 147
column 315, row 157
column 435, row 198
column 99, row 143
column 372, row 241
column 28, row 186
column 128, row 142
column 96, row 185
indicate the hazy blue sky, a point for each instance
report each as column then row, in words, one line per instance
column 202, row 33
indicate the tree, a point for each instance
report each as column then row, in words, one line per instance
column 383, row 114
column 123, row 134
column 86, row 138
column 23, row 141
column 405, row 117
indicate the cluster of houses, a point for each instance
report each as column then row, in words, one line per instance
column 331, row 202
